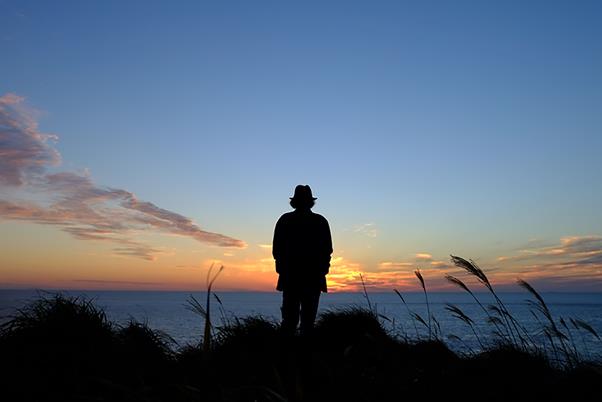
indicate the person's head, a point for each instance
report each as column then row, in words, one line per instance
column 303, row 198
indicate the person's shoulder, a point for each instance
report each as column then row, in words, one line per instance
column 285, row 216
column 319, row 218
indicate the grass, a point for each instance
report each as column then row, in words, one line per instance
column 205, row 311
column 61, row 348
column 561, row 347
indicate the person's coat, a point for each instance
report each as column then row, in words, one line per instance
column 302, row 247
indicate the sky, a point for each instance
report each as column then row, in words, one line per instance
column 142, row 141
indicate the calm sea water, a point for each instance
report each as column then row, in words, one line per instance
column 167, row 311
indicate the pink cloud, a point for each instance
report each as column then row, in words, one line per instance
column 23, row 149
column 73, row 202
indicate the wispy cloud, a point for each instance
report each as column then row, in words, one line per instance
column 73, row 201
column 574, row 260
column 396, row 266
column 575, row 248
column 420, row 260
column 366, row 229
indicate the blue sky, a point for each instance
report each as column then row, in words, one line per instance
column 448, row 127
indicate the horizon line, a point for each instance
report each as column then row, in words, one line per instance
column 275, row 292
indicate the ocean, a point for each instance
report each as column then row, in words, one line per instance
column 167, row 311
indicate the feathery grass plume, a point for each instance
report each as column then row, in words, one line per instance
column 421, row 320
column 495, row 309
column 541, row 304
column 584, row 325
column 505, row 313
column 410, row 312
column 458, row 313
column 543, row 308
column 552, row 331
column 458, row 282
column 458, row 339
column 428, row 307
column 400, row 296
column 463, row 286
column 581, row 325
column 530, row 289
column 472, row 268
column 420, row 278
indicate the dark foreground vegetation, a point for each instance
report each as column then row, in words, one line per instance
column 64, row 349
column 61, row 348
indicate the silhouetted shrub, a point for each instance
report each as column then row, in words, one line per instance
column 54, row 340
column 337, row 330
column 145, row 353
column 60, row 348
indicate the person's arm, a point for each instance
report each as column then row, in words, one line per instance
column 277, row 245
column 327, row 246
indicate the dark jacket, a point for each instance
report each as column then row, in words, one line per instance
column 302, row 247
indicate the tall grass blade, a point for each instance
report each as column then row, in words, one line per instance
column 366, row 294
column 428, row 307
column 410, row 312
column 583, row 325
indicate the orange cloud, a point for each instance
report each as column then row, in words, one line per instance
column 573, row 247
column 576, row 261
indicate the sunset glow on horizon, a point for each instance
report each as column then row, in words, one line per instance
column 134, row 158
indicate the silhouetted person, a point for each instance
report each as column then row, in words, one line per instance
column 302, row 247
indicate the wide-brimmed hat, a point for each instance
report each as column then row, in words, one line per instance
column 303, row 192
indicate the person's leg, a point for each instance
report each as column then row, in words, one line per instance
column 290, row 311
column 309, row 308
